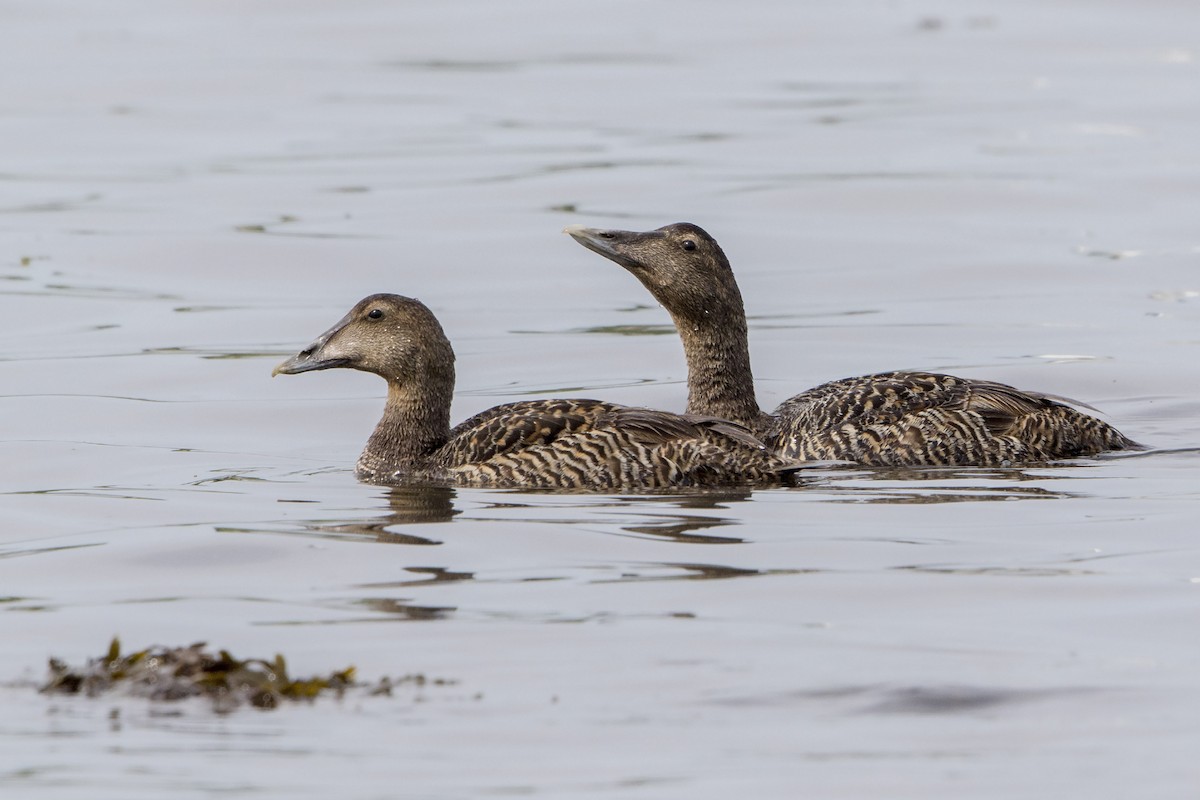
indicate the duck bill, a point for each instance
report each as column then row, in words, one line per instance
column 315, row 356
column 612, row 244
column 305, row 362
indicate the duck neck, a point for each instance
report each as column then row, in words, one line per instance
column 415, row 423
column 720, row 382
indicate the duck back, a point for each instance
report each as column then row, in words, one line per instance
column 918, row 418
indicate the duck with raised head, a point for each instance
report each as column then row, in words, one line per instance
column 888, row 419
column 564, row 444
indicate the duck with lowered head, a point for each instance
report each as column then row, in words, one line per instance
column 563, row 444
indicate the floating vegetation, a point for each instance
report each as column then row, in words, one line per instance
column 1112, row 255
column 210, row 353
column 629, row 330
column 284, row 219
column 177, row 673
column 651, row 329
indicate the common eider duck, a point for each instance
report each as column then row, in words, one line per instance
column 889, row 419
column 564, row 444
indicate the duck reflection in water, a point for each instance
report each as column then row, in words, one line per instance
column 410, row 504
column 686, row 528
column 891, row 485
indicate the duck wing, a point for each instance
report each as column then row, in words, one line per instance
column 650, row 426
column 913, row 418
column 636, row 448
column 512, row 427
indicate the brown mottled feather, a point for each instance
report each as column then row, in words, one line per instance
column 635, row 447
column 514, row 426
column 893, row 418
column 907, row 418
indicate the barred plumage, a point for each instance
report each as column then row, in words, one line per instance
column 888, row 419
column 562, row 444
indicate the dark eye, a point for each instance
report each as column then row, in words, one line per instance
column 375, row 313
column 688, row 244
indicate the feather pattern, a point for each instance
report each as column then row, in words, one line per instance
column 920, row 418
column 634, row 447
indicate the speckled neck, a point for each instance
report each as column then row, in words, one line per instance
column 415, row 423
column 720, row 381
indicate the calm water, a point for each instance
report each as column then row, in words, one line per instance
column 191, row 191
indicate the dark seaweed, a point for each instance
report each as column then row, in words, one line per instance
column 176, row 673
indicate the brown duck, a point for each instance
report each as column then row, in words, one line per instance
column 889, row 419
column 565, row 444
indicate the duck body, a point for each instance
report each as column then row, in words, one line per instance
column 902, row 419
column 888, row 419
column 560, row 444
column 624, row 448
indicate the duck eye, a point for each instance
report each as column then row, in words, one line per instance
column 688, row 244
column 375, row 313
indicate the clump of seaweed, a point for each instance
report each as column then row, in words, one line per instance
column 176, row 673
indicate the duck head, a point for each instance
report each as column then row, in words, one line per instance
column 680, row 264
column 392, row 336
